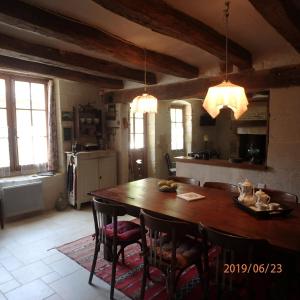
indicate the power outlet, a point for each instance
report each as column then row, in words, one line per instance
column 261, row 186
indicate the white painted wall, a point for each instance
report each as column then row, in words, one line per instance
column 68, row 94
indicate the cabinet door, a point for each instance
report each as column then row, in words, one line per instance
column 107, row 171
column 87, row 178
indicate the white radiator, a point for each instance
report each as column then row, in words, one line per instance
column 22, row 198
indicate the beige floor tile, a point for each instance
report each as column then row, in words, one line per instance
column 30, row 267
column 4, row 275
column 51, row 277
column 56, row 256
column 54, row 297
column 2, row 297
column 11, row 263
column 4, row 253
column 31, row 272
column 35, row 290
column 76, row 287
column 9, row 285
column 65, row 266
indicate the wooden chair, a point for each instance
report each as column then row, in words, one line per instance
column 118, row 233
column 234, row 250
column 185, row 180
column 221, row 186
column 170, row 166
column 166, row 247
column 278, row 196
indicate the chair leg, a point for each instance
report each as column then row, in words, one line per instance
column 113, row 275
column 123, row 256
column 144, row 280
column 97, row 249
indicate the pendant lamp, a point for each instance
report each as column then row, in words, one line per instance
column 144, row 103
column 226, row 94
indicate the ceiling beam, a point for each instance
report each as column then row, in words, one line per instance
column 283, row 15
column 23, row 16
column 197, row 88
column 9, row 63
column 163, row 18
column 17, row 48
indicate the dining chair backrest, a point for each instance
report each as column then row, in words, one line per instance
column 235, row 243
column 158, row 230
column 100, row 211
column 167, row 247
column 185, row 180
column 278, row 196
column 221, row 186
column 171, row 168
column 233, row 251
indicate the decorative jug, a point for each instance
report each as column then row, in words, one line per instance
column 246, row 190
column 262, row 197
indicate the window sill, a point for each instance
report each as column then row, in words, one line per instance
column 15, row 179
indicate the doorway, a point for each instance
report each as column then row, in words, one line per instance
column 137, row 146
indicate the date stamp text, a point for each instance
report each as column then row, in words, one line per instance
column 253, row 268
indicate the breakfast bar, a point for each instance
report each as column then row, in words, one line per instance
column 220, row 170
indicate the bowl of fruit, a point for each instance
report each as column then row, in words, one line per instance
column 167, row 186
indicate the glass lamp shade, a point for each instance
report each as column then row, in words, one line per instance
column 226, row 94
column 144, row 104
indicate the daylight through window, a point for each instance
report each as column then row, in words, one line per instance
column 136, row 130
column 23, row 123
column 177, row 130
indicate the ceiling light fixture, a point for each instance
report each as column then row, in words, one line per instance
column 145, row 103
column 226, row 94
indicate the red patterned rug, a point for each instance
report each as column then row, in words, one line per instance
column 128, row 278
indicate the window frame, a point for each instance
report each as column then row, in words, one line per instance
column 182, row 108
column 134, row 133
column 10, row 79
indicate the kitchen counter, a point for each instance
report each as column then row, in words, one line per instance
column 220, row 163
column 220, row 170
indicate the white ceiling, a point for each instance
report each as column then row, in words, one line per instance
column 247, row 28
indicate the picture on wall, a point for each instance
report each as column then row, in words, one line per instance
column 67, row 116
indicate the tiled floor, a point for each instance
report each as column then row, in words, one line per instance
column 31, row 269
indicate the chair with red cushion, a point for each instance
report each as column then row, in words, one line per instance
column 118, row 233
column 167, row 246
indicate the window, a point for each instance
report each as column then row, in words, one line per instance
column 23, row 123
column 136, row 130
column 177, row 129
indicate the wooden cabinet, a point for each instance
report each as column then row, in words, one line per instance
column 92, row 170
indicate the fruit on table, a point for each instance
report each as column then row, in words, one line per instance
column 167, row 186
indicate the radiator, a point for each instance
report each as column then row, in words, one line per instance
column 22, row 198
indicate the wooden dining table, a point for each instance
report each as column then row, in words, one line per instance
column 217, row 210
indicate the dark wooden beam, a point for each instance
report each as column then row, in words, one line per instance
column 196, row 88
column 17, row 48
column 36, row 68
column 284, row 16
column 23, row 16
column 163, row 18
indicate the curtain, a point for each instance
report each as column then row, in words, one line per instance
column 52, row 129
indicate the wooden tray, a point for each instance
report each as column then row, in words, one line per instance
column 264, row 214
